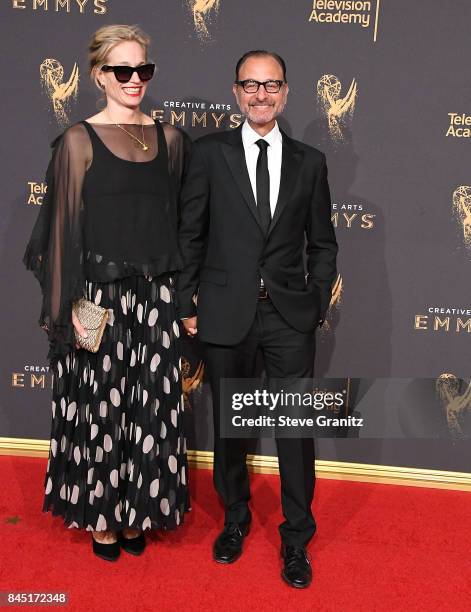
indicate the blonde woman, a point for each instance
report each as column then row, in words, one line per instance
column 107, row 232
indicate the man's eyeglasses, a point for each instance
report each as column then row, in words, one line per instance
column 251, row 86
column 123, row 74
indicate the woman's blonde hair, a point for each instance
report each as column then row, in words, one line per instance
column 108, row 37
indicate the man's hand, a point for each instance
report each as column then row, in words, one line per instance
column 190, row 326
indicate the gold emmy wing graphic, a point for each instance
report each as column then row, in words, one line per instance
column 455, row 406
column 336, row 109
column 191, row 382
column 462, row 211
column 337, row 291
column 59, row 92
column 204, row 14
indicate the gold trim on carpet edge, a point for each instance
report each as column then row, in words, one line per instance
column 336, row 470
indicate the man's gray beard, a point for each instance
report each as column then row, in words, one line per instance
column 245, row 115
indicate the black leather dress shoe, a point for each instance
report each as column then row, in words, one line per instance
column 297, row 570
column 133, row 546
column 228, row 545
column 108, row 552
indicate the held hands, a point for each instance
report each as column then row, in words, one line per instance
column 190, row 326
column 78, row 328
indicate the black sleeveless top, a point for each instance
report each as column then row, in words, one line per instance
column 129, row 226
column 109, row 212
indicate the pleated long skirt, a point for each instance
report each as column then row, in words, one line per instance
column 118, row 453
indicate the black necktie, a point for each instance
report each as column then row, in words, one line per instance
column 263, row 186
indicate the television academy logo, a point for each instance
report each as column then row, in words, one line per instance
column 205, row 14
column 459, row 125
column 338, row 111
column 362, row 13
column 36, row 193
column 456, row 405
column 59, row 92
column 462, row 212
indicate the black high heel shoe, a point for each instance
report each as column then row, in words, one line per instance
column 133, row 546
column 108, row 552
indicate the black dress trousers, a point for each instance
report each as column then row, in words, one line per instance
column 286, row 353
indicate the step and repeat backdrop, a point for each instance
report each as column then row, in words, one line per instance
column 383, row 88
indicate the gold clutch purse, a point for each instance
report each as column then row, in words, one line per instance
column 93, row 318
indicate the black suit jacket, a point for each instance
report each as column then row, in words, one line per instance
column 225, row 252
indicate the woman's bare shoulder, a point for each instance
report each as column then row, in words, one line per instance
column 103, row 118
column 98, row 118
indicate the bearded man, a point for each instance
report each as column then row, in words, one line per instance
column 253, row 204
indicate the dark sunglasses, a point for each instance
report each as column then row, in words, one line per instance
column 123, row 74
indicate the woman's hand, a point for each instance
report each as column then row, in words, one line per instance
column 191, row 326
column 78, row 328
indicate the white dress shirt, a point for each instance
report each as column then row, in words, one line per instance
column 274, row 153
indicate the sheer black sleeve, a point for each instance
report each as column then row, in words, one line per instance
column 179, row 148
column 55, row 250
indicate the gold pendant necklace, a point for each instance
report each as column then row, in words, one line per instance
column 142, row 142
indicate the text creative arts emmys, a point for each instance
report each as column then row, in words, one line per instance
column 98, row 7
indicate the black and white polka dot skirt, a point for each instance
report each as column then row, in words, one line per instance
column 118, row 451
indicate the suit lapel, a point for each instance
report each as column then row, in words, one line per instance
column 233, row 151
column 290, row 165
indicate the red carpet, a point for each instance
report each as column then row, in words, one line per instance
column 378, row 547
